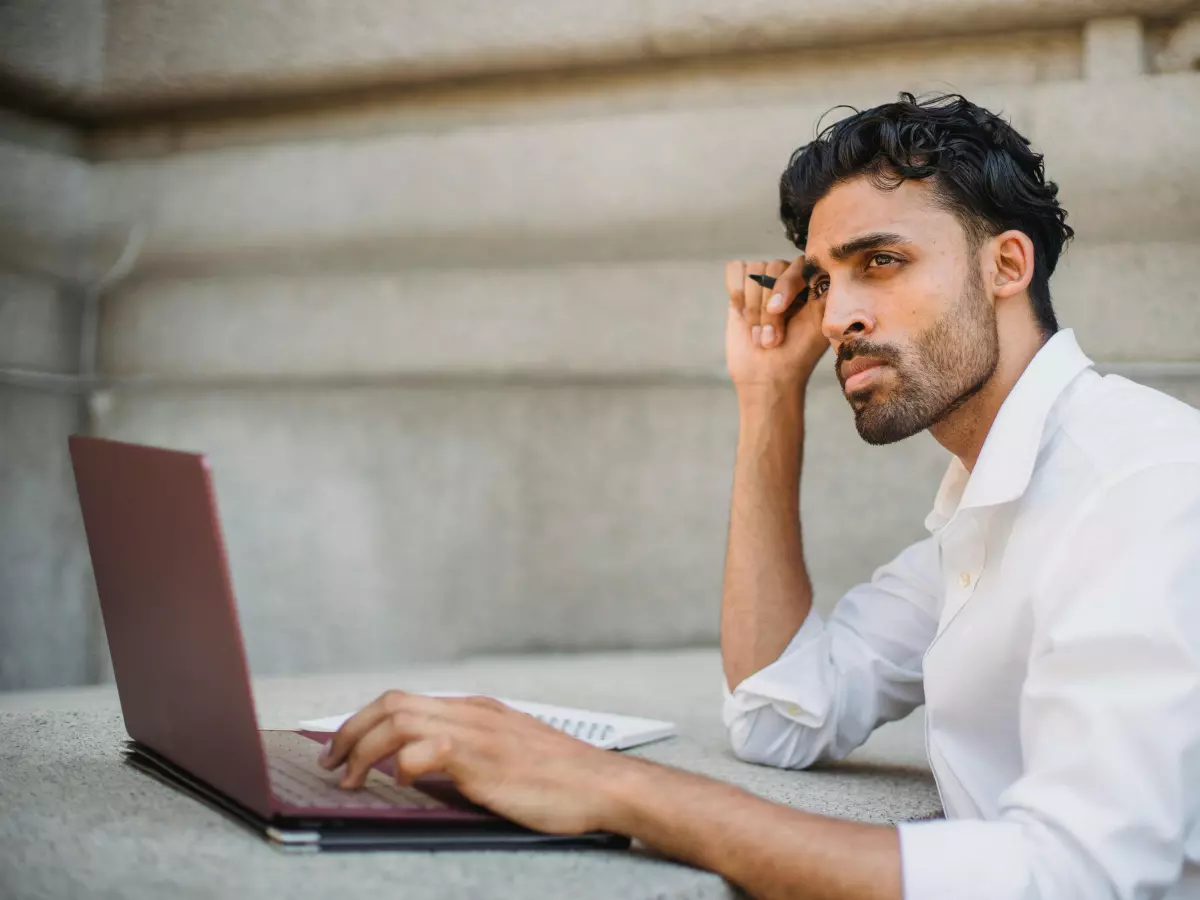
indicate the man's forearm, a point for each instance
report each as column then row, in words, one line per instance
column 767, row 849
column 767, row 593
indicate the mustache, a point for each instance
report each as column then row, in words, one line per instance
column 888, row 354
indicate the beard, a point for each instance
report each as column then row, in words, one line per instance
column 948, row 363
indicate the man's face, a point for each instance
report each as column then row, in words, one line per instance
column 905, row 306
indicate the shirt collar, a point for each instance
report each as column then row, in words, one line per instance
column 1006, row 461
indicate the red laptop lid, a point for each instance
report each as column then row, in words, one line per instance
column 168, row 607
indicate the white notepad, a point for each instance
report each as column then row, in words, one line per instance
column 604, row 730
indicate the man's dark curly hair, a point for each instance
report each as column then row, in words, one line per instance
column 981, row 169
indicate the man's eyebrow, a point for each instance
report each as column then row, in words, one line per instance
column 873, row 241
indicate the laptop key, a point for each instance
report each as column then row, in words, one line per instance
column 299, row 780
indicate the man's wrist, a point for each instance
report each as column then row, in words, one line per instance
column 770, row 396
column 623, row 787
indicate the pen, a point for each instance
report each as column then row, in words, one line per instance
column 768, row 282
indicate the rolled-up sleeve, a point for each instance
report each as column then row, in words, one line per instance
column 836, row 681
column 1108, row 801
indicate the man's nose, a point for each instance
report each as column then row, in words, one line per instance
column 847, row 315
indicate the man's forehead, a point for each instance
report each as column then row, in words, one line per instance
column 857, row 207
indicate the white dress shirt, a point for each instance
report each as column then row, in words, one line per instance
column 1051, row 626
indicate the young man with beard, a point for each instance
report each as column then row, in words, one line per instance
column 1050, row 622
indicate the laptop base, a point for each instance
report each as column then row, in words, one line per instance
column 300, row 835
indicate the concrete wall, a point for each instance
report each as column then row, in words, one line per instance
column 47, row 618
column 444, row 301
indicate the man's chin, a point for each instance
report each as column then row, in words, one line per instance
column 879, row 425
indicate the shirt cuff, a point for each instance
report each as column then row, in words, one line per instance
column 949, row 860
column 795, row 684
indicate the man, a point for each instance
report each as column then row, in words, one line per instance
column 1050, row 623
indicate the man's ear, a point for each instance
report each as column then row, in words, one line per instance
column 1012, row 263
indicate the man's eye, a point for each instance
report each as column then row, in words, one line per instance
column 819, row 288
column 881, row 259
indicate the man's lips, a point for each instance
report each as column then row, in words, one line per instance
column 858, row 371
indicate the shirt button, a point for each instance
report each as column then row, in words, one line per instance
column 964, row 579
column 793, row 709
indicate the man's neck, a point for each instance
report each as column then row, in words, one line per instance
column 964, row 430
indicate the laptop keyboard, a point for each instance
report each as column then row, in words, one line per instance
column 298, row 780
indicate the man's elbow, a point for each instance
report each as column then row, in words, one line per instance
column 766, row 738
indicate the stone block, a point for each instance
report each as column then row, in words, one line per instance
column 54, row 47
column 46, row 609
column 39, row 325
column 47, row 227
column 617, row 187
column 1125, row 155
column 44, row 192
column 369, row 526
column 662, row 317
column 1114, row 49
column 1181, row 51
column 1131, row 301
column 1127, row 301
column 177, row 52
column 985, row 66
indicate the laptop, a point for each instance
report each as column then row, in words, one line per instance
column 177, row 653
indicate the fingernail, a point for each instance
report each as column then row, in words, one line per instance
column 755, row 331
column 768, row 335
column 775, row 304
column 323, row 759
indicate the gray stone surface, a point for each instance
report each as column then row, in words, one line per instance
column 55, row 47
column 1132, row 300
column 1114, row 49
column 77, row 821
column 663, row 316
column 46, row 617
column 46, row 608
column 535, row 194
column 39, row 324
column 625, row 318
column 173, row 50
column 371, row 525
column 416, row 522
column 455, row 343
column 43, row 190
column 987, row 65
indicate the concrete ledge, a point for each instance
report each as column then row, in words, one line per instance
column 75, row 815
column 176, row 52
column 52, row 49
column 614, row 187
column 798, row 77
column 664, row 318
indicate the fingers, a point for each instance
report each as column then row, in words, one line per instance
column 753, row 292
column 396, row 721
column 353, row 729
column 362, row 722
column 428, row 756
column 765, row 311
column 790, row 285
column 389, row 735
column 774, row 307
column 735, row 277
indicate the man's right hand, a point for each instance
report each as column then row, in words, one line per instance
column 770, row 346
